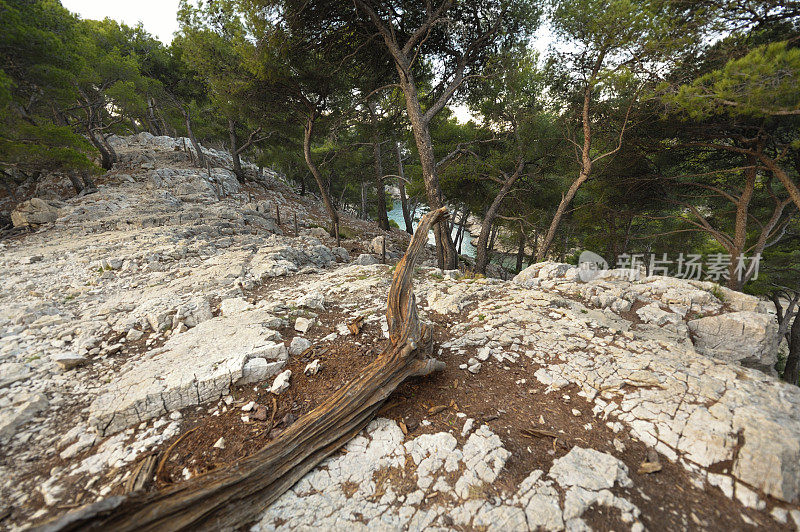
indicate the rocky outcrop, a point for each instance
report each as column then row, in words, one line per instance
column 748, row 338
column 165, row 288
column 719, row 322
column 342, row 492
column 36, row 211
column 192, row 368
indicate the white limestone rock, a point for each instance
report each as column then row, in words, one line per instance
column 314, row 300
column 68, row 360
column 589, row 469
column 36, row 211
column 235, row 305
column 281, row 382
column 748, row 338
column 259, row 368
column 24, row 407
column 312, row 368
column 197, row 366
column 298, row 345
column 366, row 260
column 302, row 325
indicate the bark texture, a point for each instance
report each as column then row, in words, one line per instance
column 401, row 184
column 323, row 190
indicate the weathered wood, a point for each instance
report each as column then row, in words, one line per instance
column 355, row 325
column 235, row 496
column 143, row 474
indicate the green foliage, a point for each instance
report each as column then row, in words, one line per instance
column 762, row 83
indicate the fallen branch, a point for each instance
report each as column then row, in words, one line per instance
column 236, row 495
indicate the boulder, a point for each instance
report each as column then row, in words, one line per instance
column 68, row 360
column 35, row 211
column 589, row 469
column 302, row 325
column 653, row 313
column 259, row 368
column 749, row 338
column 24, row 407
column 318, row 232
column 314, row 300
column 377, row 245
column 298, row 345
column 366, row 260
column 195, row 367
column 11, row 372
column 532, row 275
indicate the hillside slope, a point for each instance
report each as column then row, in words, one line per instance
column 155, row 316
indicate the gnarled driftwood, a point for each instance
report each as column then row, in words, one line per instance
column 236, row 495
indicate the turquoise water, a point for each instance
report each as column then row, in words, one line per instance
column 396, row 214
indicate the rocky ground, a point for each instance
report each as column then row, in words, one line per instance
column 170, row 320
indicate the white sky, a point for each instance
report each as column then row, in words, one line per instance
column 159, row 17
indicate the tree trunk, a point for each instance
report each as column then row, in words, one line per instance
column 201, row 159
column 740, row 227
column 233, row 497
column 583, row 175
column 791, row 373
column 783, row 177
column 401, row 184
column 520, row 250
column 383, row 218
column 462, row 227
column 559, row 214
column 446, row 256
column 534, row 251
column 481, row 255
column 9, row 184
column 88, row 182
column 106, row 161
column 363, row 211
column 111, row 151
column 237, row 163
column 492, row 239
column 76, row 182
column 326, row 198
column 151, row 118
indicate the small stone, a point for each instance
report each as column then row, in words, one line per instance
column 68, row 361
column 219, row 444
column 298, row 345
column 31, row 259
column 281, row 382
column 312, row 368
column 260, row 413
column 576, row 412
column 483, row 354
column 315, row 300
column 302, row 325
column 175, row 416
column 475, row 368
column 249, row 406
column 468, row 424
